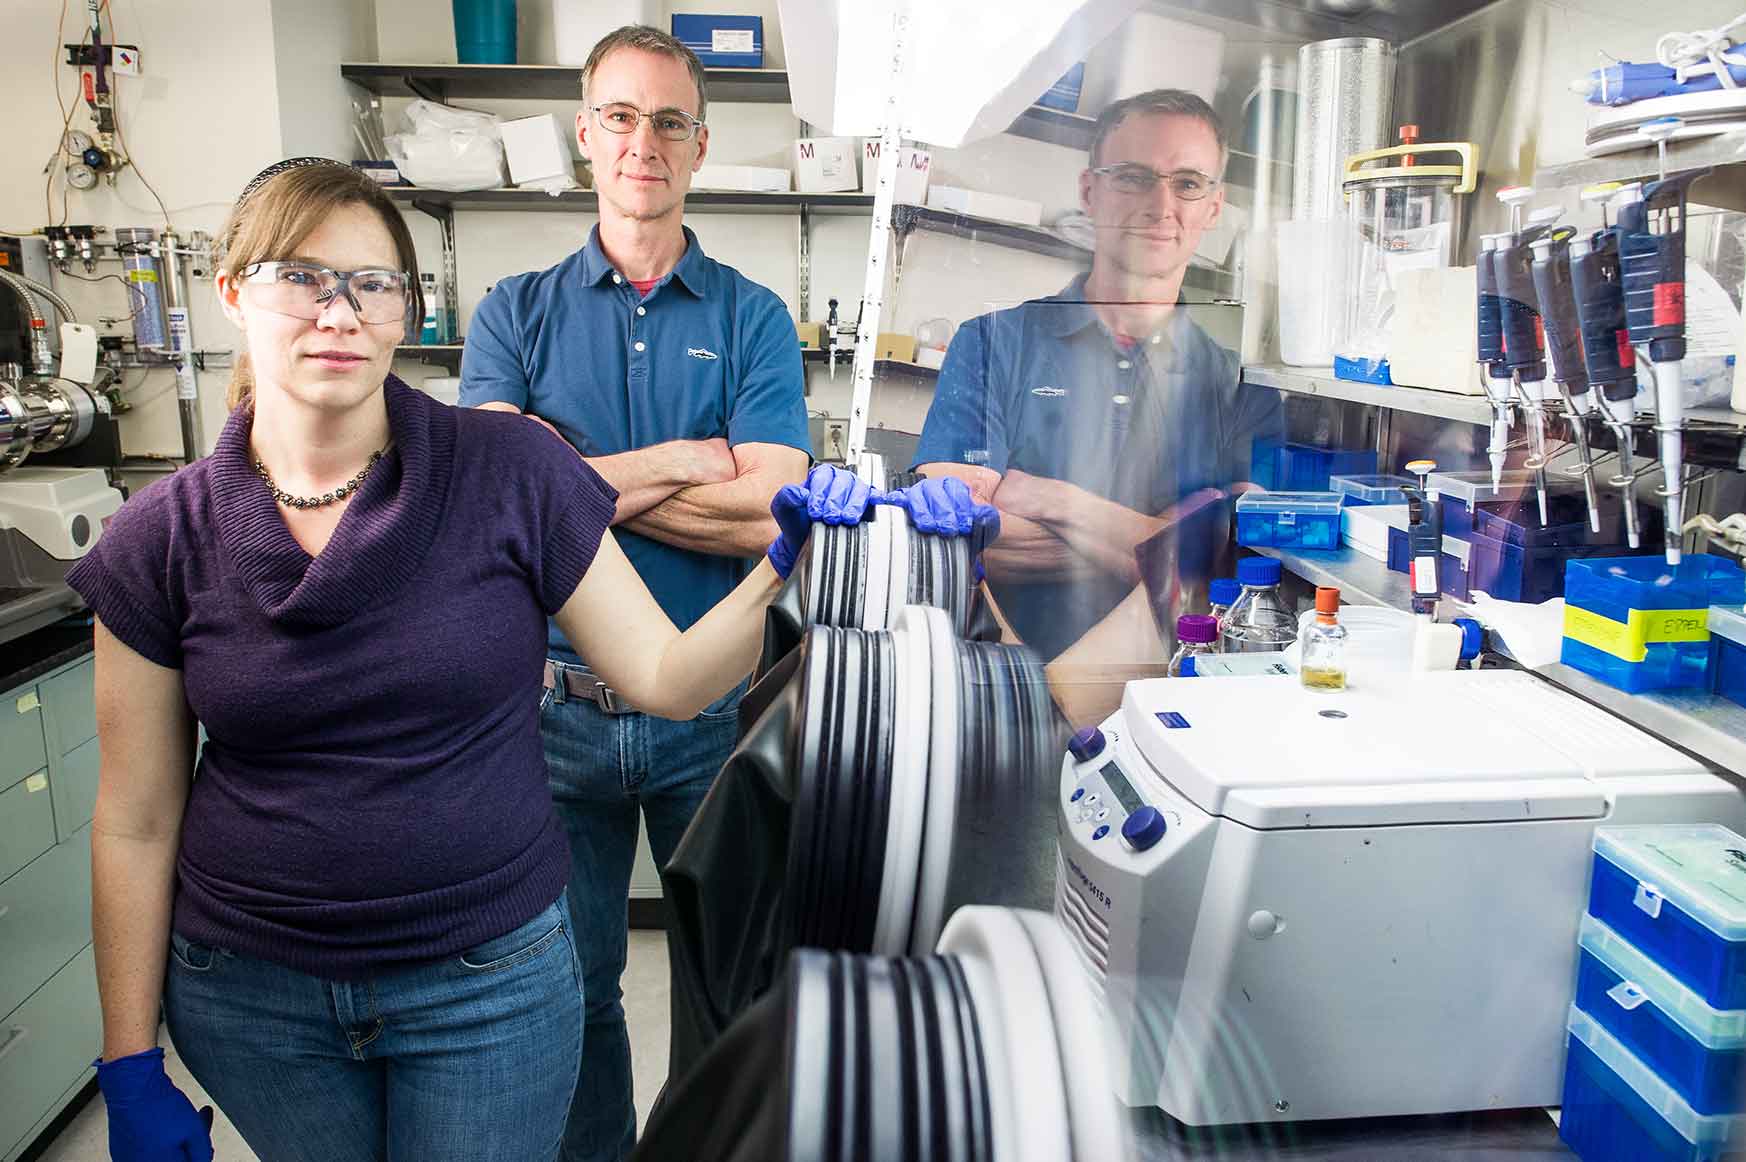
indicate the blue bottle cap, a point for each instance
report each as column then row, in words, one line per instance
column 1258, row 571
column 1224, row 591
column 1472, row 638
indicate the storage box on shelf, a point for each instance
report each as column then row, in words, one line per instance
column 1294, row 520
column 50, row 1024
column 1640, row 624
column 1381, row 489
column 1290, row 467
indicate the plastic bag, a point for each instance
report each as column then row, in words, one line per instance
column 449, row 149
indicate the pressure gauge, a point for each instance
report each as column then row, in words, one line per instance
column 81, row 176
column 77, row 142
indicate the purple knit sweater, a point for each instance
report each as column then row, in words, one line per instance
column 372, row 791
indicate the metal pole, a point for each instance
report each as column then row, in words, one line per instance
column 879, row 240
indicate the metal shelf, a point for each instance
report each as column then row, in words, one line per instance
column 1471, row 409
column 448, row 82
column 1361, row 580
column 1722, row 149
column 587, row 201
column 1710, row 729
column 451, row 82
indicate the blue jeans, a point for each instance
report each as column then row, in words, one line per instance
column 601, row 768
column 468, row 1059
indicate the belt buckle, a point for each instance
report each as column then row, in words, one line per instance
column 607, row 699
column 604, row 696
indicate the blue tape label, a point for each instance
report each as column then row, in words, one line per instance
column 1172, row 720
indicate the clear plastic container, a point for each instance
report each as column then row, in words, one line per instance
column 1259, row 621
column 1616, row 1109
column 1289, row 520
column 1697, row 1049
column 1324, row 645
column 1382, row 489
column 1677, row 892
column 1197, row 636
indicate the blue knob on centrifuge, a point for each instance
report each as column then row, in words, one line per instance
column 1085, row 744
column 1144, row 828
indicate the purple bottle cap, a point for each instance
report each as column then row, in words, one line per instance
column 1198, row 628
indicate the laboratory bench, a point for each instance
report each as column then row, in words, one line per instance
column 50, row 1025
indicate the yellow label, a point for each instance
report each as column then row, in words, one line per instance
column 143, row 275
column 28, row 702
column 36, row 783
column 1629, row 640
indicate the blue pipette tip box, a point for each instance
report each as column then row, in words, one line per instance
column 1289, row 520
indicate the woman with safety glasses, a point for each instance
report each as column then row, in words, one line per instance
column 353, row 916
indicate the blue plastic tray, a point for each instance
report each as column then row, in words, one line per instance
column 1616, row 1110
column 1695, row 1049
column 1677, row 893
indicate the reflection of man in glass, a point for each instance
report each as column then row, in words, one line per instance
column 1091, row 419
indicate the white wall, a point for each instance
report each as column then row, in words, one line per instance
column 203, row 117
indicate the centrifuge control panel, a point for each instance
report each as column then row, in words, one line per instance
column 1106, row 802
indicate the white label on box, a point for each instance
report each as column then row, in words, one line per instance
column 732, row 40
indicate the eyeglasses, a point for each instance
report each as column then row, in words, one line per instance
column 303, row 290
column 668, row 124
column 1188, row 185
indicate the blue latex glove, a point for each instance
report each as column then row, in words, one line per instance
column 832, row 496
column 944, row 505
column 150, row 1120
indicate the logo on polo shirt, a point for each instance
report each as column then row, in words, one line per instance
column 1049, row 392
column 700, row 353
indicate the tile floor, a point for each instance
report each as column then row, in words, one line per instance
column 86, row 1138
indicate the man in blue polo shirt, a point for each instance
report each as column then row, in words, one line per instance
column 680, row 381
column 1093, row 419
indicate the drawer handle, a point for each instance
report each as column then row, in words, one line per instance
column 14, row 1038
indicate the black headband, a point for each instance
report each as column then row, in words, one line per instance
column 280, row 167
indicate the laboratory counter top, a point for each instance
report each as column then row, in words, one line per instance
column 1491, row 1136
column 24, row 659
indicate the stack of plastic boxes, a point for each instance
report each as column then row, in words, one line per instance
column 1658, row 1030
column 1640, row 624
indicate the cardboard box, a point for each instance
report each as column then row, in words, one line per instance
column 825, row 165
column 982, row 205
column 751, row 179
column 811, row 335
column 538, row 152
column 912, row 173
column 890, row 345
column 722, row 42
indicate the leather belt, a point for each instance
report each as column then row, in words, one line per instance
column 584, row 683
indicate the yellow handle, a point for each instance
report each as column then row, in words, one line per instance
column 1469, row 169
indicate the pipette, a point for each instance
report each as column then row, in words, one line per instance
column 1651, row 232
column 1564, row 348
column 1424, row 539
column 1491, row 354
column 1606, row 351
column 1523, row 342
